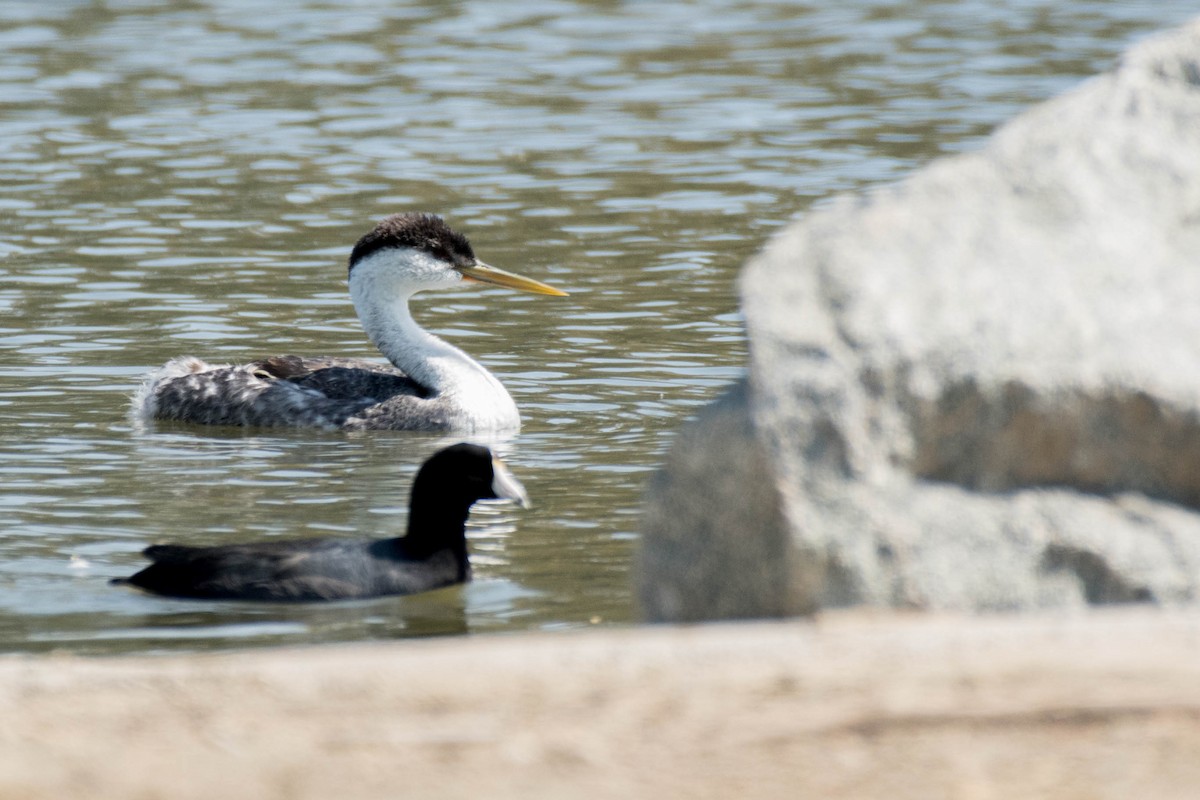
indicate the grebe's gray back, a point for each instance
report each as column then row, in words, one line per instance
column 430, row 384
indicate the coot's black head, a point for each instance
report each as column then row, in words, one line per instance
column 466, row 473
column 427, row 233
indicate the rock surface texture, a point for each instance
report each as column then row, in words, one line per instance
column 978, row 389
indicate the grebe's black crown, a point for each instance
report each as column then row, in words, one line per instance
column 427, row 232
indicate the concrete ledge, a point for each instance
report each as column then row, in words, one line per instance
column 1098, row 705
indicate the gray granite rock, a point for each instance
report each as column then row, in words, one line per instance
column 976, row 389
column 720, row 552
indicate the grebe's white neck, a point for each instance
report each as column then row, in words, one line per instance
column 381, row 286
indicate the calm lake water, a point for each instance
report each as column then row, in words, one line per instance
column 189, row 177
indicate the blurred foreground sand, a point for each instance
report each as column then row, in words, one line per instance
column 1096, row 705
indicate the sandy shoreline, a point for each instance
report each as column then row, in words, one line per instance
column 854, row 705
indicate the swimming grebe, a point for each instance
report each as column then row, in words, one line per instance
column 432, row 554
column 432, row 385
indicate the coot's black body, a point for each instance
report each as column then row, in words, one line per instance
column 432, row 554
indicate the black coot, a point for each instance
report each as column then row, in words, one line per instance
column 432, row 554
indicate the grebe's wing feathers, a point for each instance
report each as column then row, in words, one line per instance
column 341, row 378
column 291, row 391
column 189, row 390
column 404, row 412
column 398, row 402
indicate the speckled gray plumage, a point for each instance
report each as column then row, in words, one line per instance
column 291, row 391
